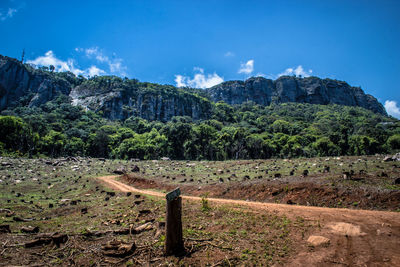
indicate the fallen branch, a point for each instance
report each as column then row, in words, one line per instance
column 199, row 240
column 56, row 239
column 123, row 231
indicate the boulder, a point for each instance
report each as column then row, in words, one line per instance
column 317, row 240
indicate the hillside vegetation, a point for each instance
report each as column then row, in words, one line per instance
column 245, row 131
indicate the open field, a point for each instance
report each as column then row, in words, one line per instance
column 65, row 196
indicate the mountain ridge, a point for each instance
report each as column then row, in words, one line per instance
column 118, row 99
column 312, row 90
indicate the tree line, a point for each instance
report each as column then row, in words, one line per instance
column 246, row 131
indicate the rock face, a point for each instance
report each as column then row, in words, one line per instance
column 116, row 98
column 144, row 100
column 21, row 84
column 119, row 99
column 311, row 90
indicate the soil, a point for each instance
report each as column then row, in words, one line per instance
column 356, row 237
column 301, row 192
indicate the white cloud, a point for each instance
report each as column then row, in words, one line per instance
column 297, row 71
column 229, row 54
column 200, row 80
column 180, row 81
column 49, row 58
column 95, row 71
column 260, row 74
column 392, row 108
column 9, row 14
column 247, row 67
column 115, row 64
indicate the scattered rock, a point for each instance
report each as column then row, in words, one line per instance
column 317, row 240
column 346, row 229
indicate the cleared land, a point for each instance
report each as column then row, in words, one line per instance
column 65, row 196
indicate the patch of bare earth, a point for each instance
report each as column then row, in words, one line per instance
column 356, row 237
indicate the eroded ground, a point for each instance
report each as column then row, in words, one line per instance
column 65, row 196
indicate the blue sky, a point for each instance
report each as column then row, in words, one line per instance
column 201, row 43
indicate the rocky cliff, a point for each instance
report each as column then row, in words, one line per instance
column 120, row 99
column 116, row 98
column 22, row 84
column 311, row 90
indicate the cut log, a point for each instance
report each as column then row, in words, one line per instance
column 30, row 229
column 118, row 249
column 5, row 228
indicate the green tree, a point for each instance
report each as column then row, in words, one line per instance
column 98, row 144
column 393, row 142
column 325, row 147
column 363, row 145
column 53, row 143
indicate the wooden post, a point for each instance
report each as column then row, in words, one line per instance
column 174, row 239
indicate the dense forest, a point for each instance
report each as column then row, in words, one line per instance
column 245, row 131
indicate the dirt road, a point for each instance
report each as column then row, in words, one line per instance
column 356, row 237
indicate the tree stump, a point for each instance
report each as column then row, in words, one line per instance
column 174, row 238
